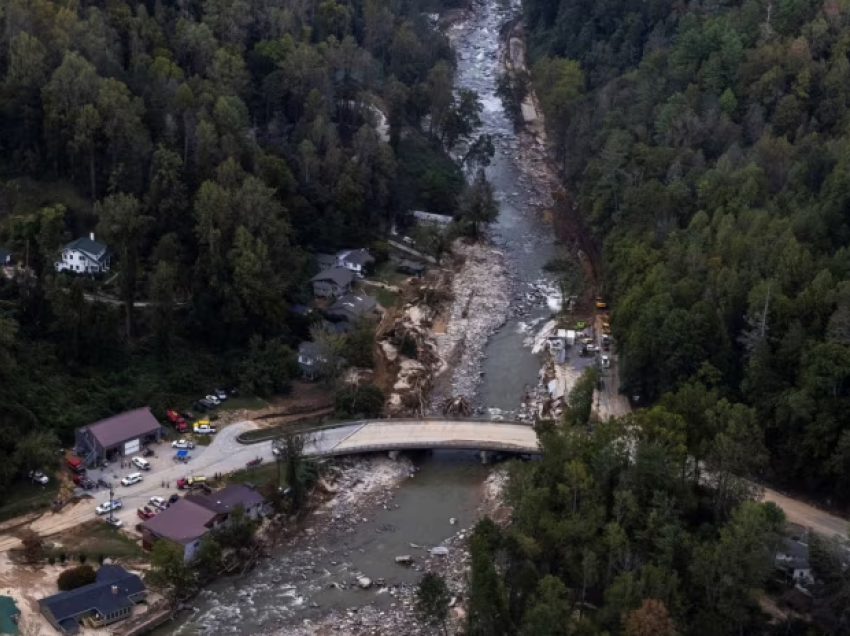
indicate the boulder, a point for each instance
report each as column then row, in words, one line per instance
column 405, row 559
column 364, row 581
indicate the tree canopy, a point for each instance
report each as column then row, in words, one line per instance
column 706, row 147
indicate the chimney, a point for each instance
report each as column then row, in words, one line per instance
column 115, row 590
column 91, row 236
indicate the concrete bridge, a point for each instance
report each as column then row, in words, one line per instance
column 408, row 434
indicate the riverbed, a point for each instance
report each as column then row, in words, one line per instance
column 436, row 495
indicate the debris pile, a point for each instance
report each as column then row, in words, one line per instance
column 410, row 355
column 481, row 296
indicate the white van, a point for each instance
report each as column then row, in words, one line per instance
column 142, row 463
column 133, row 478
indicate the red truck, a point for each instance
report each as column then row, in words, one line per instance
column 76, row 465
column 178, row 422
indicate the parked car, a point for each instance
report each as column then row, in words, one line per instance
column 606, row 362
column 200, row 405
column 176, row 420
column 144, row 513
column 173, row 498
column 133, row 478
column 114, row 521
column 39, row 477
column 207, row 404
column 76, row 465
column 188, row 416
column 183, row 444
column 220, row 393
column 88, row 484
column 108, row 506
column 142, row 463
column 159, row 502
column 211, row 398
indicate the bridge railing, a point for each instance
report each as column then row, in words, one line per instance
column 399, row 421
column 470, row 445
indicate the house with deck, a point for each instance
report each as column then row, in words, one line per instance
column 110, row 598
column 333, row 282
column 84, row 255
column 187, row 521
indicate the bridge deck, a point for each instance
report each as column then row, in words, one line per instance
column 413, row 434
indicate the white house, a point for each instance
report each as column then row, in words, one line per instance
column 355, row 261
column 84, row 255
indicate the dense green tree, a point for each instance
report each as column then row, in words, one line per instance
column 432, row 601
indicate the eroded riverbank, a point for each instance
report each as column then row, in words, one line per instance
column 310, row 586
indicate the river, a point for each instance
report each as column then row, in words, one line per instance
column 302, row 582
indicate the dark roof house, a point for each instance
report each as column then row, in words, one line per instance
column 110, row 598
column 224, row 501
column 183, row 522
column 353, row 306
column 87, row 245
column 332, row 282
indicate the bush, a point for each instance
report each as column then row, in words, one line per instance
column 82, row 558
column 364, row 400
column 100, row 559
column 76, row 577
column 51, row 560
column 62, row 558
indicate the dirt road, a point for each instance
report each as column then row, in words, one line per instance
column 609, row 403
column 802, row 513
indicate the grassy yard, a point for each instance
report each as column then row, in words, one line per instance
column 257, row 475
column 386, row 274
column 96, row 539
column 385, row 297
column 25, row 497
column 250, row 403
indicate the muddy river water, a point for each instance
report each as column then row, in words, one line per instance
column 303, row 582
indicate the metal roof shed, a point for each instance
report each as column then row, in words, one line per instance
column 123, row 434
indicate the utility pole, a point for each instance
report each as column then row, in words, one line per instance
column 111, row 494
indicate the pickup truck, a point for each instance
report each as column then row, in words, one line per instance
column 76, row 465
column 203, row 427
column 177, row 420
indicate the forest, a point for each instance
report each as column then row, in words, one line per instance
column 615, row 533
column 212, row 145
column 706, row 146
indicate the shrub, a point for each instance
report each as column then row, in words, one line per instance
column 51, row 560
column 364, row 400
column 62, row 558
column 33, row 547
column 100, row 559
column 76, row 577
column 82, row 558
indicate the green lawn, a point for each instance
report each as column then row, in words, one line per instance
column 95, row 539
column 386, row 274
column 257, row 475
column 248, row 402
column 385, row 297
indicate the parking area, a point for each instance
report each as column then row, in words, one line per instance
column 223, row 455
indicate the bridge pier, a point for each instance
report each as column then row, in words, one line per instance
column 486, row 457
column 393, row 454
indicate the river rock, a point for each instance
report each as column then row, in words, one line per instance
column 365, row 582
column 440, row 551
column 405, row 559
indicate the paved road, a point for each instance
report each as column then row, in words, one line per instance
column 226, row 455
